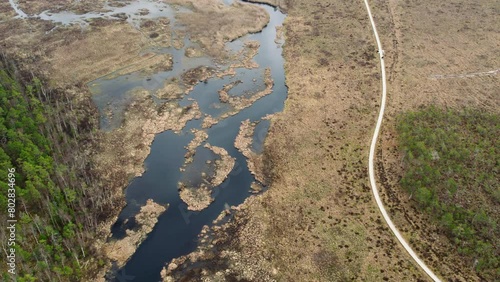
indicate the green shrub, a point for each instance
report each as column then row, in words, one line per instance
column 452, row 162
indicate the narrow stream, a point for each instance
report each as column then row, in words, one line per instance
column 176, row 232
column 19, row 12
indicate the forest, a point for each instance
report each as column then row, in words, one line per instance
column 452, row 163
column 45, row 137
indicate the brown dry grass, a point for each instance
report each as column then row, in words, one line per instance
column 435, row 38
column 239, row 103
column 32, row 7
column 421, row 41
column 103, row 50
column 324, row 225
column 243, row 143
column 318, row 221
column 69, row 55
column 6, row 11
column 199, row 198
column 121, row 250
column 199, row 137
column 212, row 23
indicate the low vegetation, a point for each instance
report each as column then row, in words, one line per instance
column 451, row 170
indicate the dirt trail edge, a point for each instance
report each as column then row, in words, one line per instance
column 372, row 154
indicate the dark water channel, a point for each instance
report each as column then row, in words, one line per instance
column 177, row 229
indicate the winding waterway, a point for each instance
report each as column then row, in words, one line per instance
column 177, row 229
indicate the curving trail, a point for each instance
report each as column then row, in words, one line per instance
column 372, row 155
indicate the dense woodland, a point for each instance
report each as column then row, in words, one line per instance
column 47, row 137
column 452, row 161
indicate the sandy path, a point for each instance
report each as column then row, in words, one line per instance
column 372, row 154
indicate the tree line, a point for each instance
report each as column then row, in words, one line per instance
column 47, row 136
